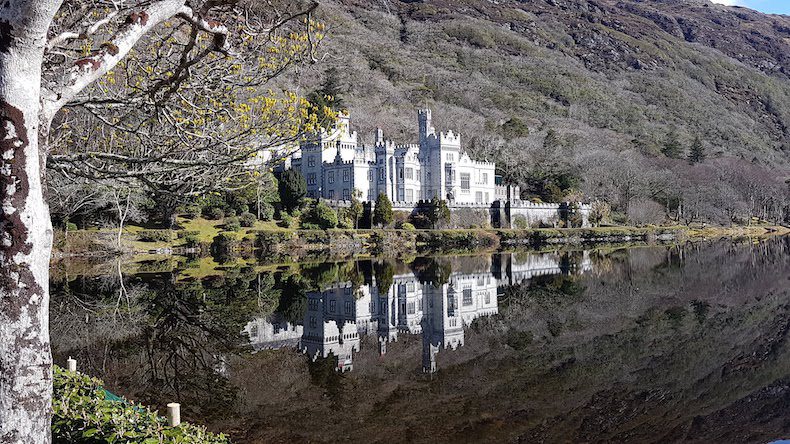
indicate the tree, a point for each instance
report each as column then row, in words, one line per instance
column 697, row 152
column 438, row 212
column 356, row 209
column 330, row 93
column 382, row 214
column 293, row 188
column 154, row 118
column 672, row 147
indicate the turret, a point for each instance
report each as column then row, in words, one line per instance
column 424, row 120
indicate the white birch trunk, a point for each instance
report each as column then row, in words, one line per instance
column 25, row 228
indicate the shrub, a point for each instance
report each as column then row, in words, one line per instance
column 82, row 413
column 215, row 213
column 345, row 222
column 243, row 208
column 322, row 216
column 185, row 234
column 230, row 213
column 247, row 219
column 192, row 211
column 191, row 240
column 520, row 222
column 310, row 226
column 155, row 235
column 407, row 226
column 266, row 211
column 71, row 226
column 286, row 221
column 232, row 224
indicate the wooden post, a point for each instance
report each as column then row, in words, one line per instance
column 71, row 364
column 174, row 414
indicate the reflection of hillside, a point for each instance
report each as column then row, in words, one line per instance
column 414, row 304
column 693, row 347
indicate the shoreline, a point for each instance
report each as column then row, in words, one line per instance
column 274, row 244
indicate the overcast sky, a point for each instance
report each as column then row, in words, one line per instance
column 769, row 6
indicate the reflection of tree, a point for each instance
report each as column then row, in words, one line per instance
column 324, row 374
column 194, row 327
column 432, row 271
column 293, row 299
column 384, row 272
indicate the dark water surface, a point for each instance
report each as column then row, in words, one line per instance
column 644, row 344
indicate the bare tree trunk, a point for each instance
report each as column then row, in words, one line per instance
column 25, row 228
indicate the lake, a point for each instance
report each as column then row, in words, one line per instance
column 660, row 343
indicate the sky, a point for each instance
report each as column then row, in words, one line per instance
column 768, row 6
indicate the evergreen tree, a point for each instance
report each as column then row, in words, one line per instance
column 697, row 151
column 438, row 212
column 293, row 189
column 382, row 214
column 330, row 93
column 672, row 147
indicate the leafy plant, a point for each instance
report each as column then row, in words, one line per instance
column 83, row 413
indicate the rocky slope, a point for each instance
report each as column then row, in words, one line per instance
column 605, row 74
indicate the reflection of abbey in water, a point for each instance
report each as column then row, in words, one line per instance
column 337, row 316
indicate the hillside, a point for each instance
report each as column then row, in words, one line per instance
column 611, row 73
column 609, row 81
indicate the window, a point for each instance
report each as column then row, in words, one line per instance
column 311, row 179
column 410, row 287
column 486, row 201
column 450, row 157
column 409, row 195
column 346, row 175
column 479, row 197
column 370, row 175
column 312, row 322
column 312, row 304
column 348, row 307
column 311, row 161
column 409, row 173
column 488, row 298
column 484, row 179
column 370, row 196
column 411, row 308
column 332, row 306
column 331, row 194
column 467, row 296
column 465, row 178
column 254, row 331
column 400, row 173
column 400, row 195
column 346, row 194
column 330, row 177
column 381, row 175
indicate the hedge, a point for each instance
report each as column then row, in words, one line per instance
column 83, row 413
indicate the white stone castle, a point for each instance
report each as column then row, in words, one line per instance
column 335, row 166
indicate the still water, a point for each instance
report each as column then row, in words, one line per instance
column 643, row 344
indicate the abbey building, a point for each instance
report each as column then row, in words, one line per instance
column 336, row 166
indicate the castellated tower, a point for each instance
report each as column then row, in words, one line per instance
column 424, row 119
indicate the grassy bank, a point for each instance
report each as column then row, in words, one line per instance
column 203, row 237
